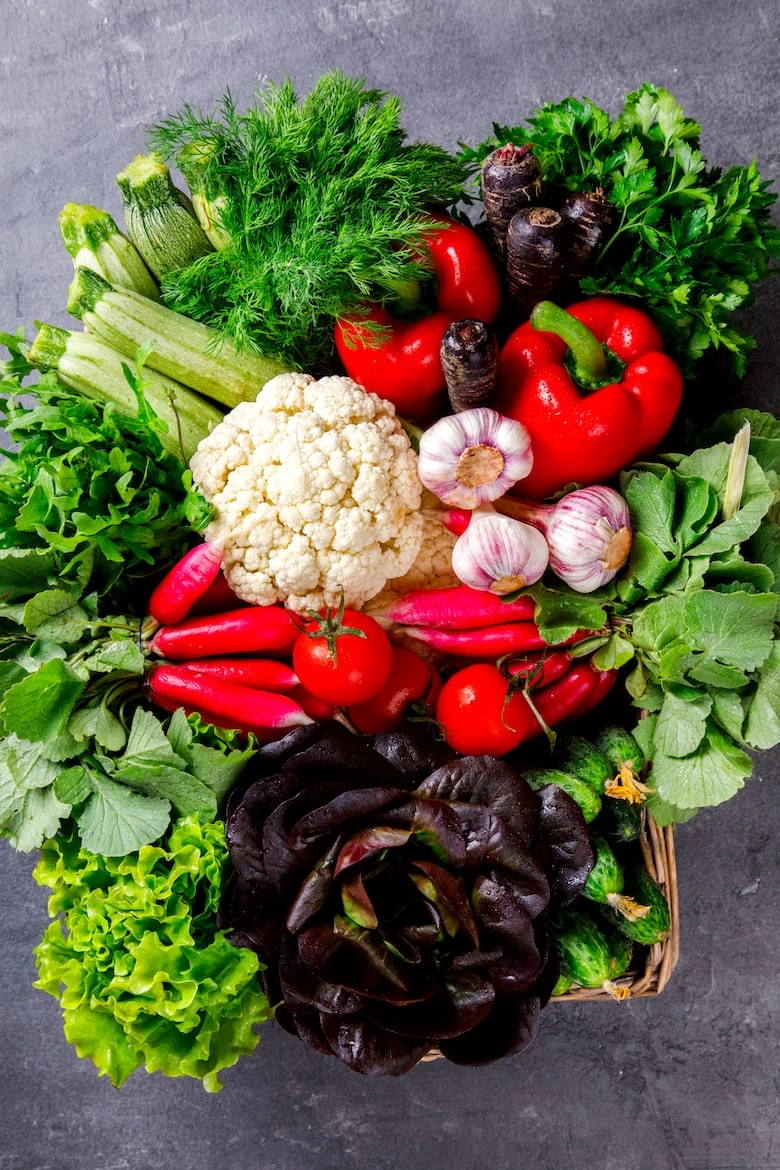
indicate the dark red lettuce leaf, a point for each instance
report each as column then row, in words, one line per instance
column 413, row 749
column 490, row 782
column 371, row 1050
column 509, row 1028
column 563, row 842
column 313, row 891
column 464, row 999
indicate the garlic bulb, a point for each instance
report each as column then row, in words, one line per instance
column 473, row 457
column 588, row 533
column 499, row 554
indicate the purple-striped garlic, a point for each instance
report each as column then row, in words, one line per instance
column 588, row 533
column 473, row 457
column 499, row 554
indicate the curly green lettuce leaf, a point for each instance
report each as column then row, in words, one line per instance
column 143, row 975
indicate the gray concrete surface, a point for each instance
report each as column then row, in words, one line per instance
column 688, row 1081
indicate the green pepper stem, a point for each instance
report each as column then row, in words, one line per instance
column 589, row 360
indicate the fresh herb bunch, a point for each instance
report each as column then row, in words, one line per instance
column 696, row 611
column 689, row 240
column 93, row 490
column 321, row 204
column 136, row 961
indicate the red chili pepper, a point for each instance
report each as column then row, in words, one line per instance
column 406, row 367
column 187, row 581
column 268, row 629
column 600, row 411
column 604, row 683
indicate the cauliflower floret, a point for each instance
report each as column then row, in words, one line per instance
column 315, row 490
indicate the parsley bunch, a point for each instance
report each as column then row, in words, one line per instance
column 689, row 240
column 322, row 203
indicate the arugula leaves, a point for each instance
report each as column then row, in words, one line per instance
column 690, row 240
column 697, row 616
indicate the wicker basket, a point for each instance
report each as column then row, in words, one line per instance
column 661, row 958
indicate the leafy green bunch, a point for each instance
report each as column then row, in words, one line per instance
column 92, row 492
column 135, row 960
column 689, row 240
column 696, row 611
column 322, row 202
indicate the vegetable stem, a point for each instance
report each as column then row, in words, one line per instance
column 735, row 477
column 590, row 363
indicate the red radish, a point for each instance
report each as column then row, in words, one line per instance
column 456, row 607
column 218, row 597
column 188, row 580
column 456, row 520
column 410, row 681
column 261, row 674
column 226, row 704
column 487, row 642
column 268, row 629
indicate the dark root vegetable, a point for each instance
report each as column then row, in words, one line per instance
column 470, row 360
column 590, row 219
column 511, row 178
column 536, row 254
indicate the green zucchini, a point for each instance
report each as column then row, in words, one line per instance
column 185, row 350
column 86, row 364
column 208, row 200
column 159, row 217
column 583, row 759
column 621, row 821
column 652, row 927
column 588, row 800
column 590, row 954
column 94, row 241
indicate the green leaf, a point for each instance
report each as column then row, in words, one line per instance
column 74, row 785
column 186, row 793
column 39, row 707
column 762, row 729
column 57, row 615
column 100, row 724
column 616, row 653
column 712, row 464
column 715, row 674
column 652, row 503
column 764, row 434
column 218, row 770
column 37, row 817
column 711, row 775
column 116, row 821
column 699, row 509
column 118, row 655
column 648, row 565
column 681, row 723
column 664, row 813
column 735, row 629
column 98, row 1037
column 560, row 613
column 728, row 711
column 24, row 572
column 148, row 743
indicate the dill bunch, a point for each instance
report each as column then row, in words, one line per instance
column 321, row 204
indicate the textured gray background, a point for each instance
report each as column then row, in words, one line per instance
column 685, row 1082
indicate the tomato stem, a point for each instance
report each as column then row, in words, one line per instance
column 329, row 625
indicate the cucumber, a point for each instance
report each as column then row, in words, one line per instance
column 584, row 760
column 160, row 219
column 562, row 986
column 588, row 800
column 620, row 749
column 605, row 880
column 653, row 927
column 621, row 822
column 588, row 953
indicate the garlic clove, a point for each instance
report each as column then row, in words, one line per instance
column 473, row 457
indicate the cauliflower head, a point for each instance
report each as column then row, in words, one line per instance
column 315, row 490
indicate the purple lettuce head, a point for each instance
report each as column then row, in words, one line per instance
column 398, row 899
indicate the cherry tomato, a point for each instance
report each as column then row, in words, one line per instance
column 411, row 680
column 477, row 718
column 343, row 657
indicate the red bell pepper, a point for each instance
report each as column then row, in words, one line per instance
column 592, row 386
column 406, row 367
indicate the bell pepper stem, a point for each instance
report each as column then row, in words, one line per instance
column 589, row 360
